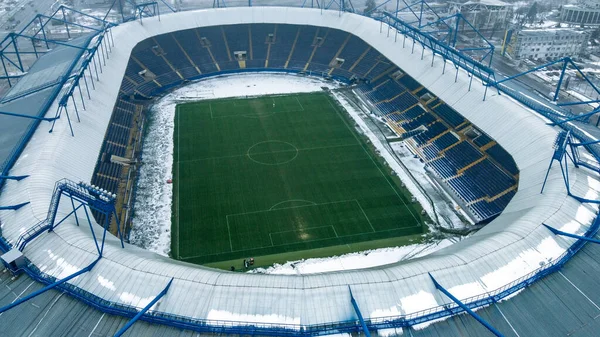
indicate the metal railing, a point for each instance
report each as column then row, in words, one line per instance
column 281, row 329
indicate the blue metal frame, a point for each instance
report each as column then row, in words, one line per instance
column 13, row 207
column 144, row 310
column 47, row 119
column 17, row 178
column 225, row 327
column 87, row 196
column 99, row 49
column 148, row 9
column 48, row 287
column 460, row 60
column 563, row 139
column 574, row 236
column 359, row 314
column 465, row 307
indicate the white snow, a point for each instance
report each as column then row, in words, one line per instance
column 451, row 220
column 152, row 208
column 241, row 319
column 365, row 259
column 390, row 332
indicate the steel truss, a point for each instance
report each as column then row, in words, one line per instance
column 94, row 52
column 440, row 37
column 85, row 196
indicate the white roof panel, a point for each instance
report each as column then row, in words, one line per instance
column 511, row 246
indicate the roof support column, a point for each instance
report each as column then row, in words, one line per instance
column 465, row 307
column 144, row 310
column 359, row 314
column 574, row 236
column 48, row 287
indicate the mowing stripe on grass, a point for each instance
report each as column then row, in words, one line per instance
column 233, row 173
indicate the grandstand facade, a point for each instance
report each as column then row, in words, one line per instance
column 492, row 154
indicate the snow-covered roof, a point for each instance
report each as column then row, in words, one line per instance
column 511, row 246
column 552, row 32
column 496, row 3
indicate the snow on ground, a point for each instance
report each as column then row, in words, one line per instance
column 152, row 208
column 444, row 204
column 365, row 259
column 446, row 215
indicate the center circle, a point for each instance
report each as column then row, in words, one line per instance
column 272, row 152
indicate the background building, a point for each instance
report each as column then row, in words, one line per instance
column 483, row 14
column 547, row 44
column 585, row 12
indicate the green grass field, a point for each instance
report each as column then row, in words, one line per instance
column 279, row 174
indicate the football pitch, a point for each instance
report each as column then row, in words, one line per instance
column 275, row 175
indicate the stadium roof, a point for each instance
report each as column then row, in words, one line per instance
column 33, row 93
column 512, row 246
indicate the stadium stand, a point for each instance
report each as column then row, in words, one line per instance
column 395, row 95
column 438, row 146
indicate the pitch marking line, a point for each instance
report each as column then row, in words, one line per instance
column 291, row 207
column 259, row 153
column 365, row 214
column 301, row 106
column 292, row 200
column 270, row 246
column 374, row 163
column 211, row 111
column 229, row 233
column 178, row 161
column 282, row 151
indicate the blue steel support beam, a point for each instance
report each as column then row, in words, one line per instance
column 70, row 23
column 174, row 11
column 70, row 9
column 47, row 40
column 48, row 287
column 47, row 119
column 17, row 151
column 465, row 307
column 457, row 57
column 376, row 7
column 144, row 310
column 359, row 314
column 560, row 80
column 593, row 112
column 580, row 199
column 586, row 143
column 17, row 178
column 583, row 75
column 530, row 71
column 574, row 236
column 13, row 207
column 577, row 103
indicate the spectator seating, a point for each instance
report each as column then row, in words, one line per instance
column 478, row 171
column 449, row 115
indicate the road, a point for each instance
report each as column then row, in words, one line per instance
column 23, row 16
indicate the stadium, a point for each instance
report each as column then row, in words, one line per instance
column 524, row 170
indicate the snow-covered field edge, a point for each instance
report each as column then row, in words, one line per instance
column 152, row 208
